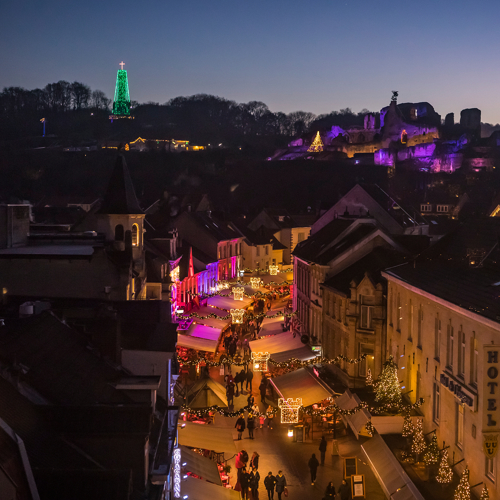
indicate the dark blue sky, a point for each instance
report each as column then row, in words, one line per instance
column 316, row 55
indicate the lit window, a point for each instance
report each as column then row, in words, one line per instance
column 460, row 424
column 135, row 235
column 436, row 408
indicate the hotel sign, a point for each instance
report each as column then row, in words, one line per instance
column 460, row 391
column 491, row 400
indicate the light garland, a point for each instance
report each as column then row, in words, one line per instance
column 445, row 474
column 249, row 316
column 463, row 489
column 408, row 427
column 289, row 410
column 484, row 494
column 237, row 316
column 259, row 361
column 418, row 443
column 263, row 270
column 370, row 429
column 432, row 453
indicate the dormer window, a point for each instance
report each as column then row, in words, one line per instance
column 135, row 235
column 425, row 208
column 443, row 208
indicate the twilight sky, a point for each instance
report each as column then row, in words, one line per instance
column 310, row 55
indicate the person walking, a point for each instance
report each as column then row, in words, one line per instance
column 251, row 328
column 270, row 417
column 244, row 478
column 230, row 394
column 269, row 483
column 330, row 490
column 280, row 484
column 250, row 425
column 262, row 419
column 322, row 449
column 240, row 425
column 254, row 461
column 313, row 467
column 249, row 379
column 344, row 491
column 243, row 377
column 254, row 483
column 263, row 389
column 250, row 400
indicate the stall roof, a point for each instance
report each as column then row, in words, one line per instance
column 303, row 353
column 206, row 436
column 272, row 326
column 303, row 384
column 196, row 489
column 387, row 469
column 277, row 343
column 277, row 278
column 196, row 343
column 201, row 466
column 207, row 392
column 217, row 322
column 203, row 331
column 227, row 302
column 357, row 421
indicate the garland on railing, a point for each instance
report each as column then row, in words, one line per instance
column 258, row 270
column 249, row 316
column 201, row 412
column 256, row 293
column 229, row 360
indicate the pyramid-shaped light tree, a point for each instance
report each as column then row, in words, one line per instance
column 484, row 494
column 463, row 489
column 408, row 427
column 432, row 452
column 388, row 390
column 317, row 145
column 445, row 474
column 369, row 378
column 418, row 443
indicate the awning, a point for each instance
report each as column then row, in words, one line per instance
column 206, row 392
column 277, row 343
column 393, row 479
column 201, row 466
column 205, row 311
column 277, row 278
column 272, row 326
column 203, row 331
column 303, row 384
column 196, row 343
column 303, row 353
column 358, row 420
column 206, row 436
column 227, row 302
column 196, row 489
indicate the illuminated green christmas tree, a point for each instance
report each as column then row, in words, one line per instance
column 121, row 102
column 408, row 427
column 418, row 443
column 484, row 494
column 445, row 474
column 432, row 453
column 388, row 390
column 317, row 145
column 463, row 489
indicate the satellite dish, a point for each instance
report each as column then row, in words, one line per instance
column 304, row 339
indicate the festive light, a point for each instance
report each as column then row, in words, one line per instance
column 121, row 102
column 289, row 410
column 484, row 494
column 418, row 443
column 273, row 270
column 177, row 472
column 369, row 378
column 238, row 292
column 290, row 432
column 223, row 285
column 255, row 282
column 237, row 316
column 317, row 145
column 463, row 489
column 408, row 427
column 432, row 453
column 388, row 390
column 174, row 274
column 445, row 474
column 259, row 360
column 370, row 429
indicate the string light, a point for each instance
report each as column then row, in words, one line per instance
column 388, row 389
column 463, row 489
column 408, row 427
column 370, row 429
column 317, row 145
column 445, row 474
column 432, row 453
column 369, row 378
column 484, row 494
column 418, row 443
column 289, row 410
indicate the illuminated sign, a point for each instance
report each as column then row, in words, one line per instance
column 255, row 282
column 177, row 472
column 237, row 315
column 238, row 292
column 273, row 270
column 461, row 392
column 174, row 274
column 259, row 360
column 289, row 410
column 491, row 403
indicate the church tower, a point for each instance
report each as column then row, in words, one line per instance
column 121, row 102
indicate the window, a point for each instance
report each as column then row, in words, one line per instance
column 437, row 337
column 460, row 424
column 410, row 322
column 474, row 355
column 419, row 326
column 491, row 466
column 135, row 235
column 425, row 208
column 389, row 304
column 443, row 208
column 461, row 354
column 398, row 312
column 258, row 251
column 367, row 349
column 267, row 250
column 119, row 233
column 450, row 345
column 366, row 316
column 436, row 408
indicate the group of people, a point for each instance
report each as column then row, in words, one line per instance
column 344, row 491
column 255, row 419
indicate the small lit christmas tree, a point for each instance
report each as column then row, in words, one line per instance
column 370, row 429
column 317, row 145
column 388, row 390
column 445, row 474
column 418, row 444
column 408, row 427
column 369, row 378
column 484, row 494
column 432, row 453
column 463, row 489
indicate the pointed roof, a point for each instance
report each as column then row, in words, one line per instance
column 120, row 197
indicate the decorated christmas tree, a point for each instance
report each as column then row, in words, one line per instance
column 432, row 453
column 388, row 390
column 418, row 443
column 408, row 427
column 317, row 145
column 369, row 378
column 370, row 429
column 445, row 473
column 484, row 494
column 463, row 489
